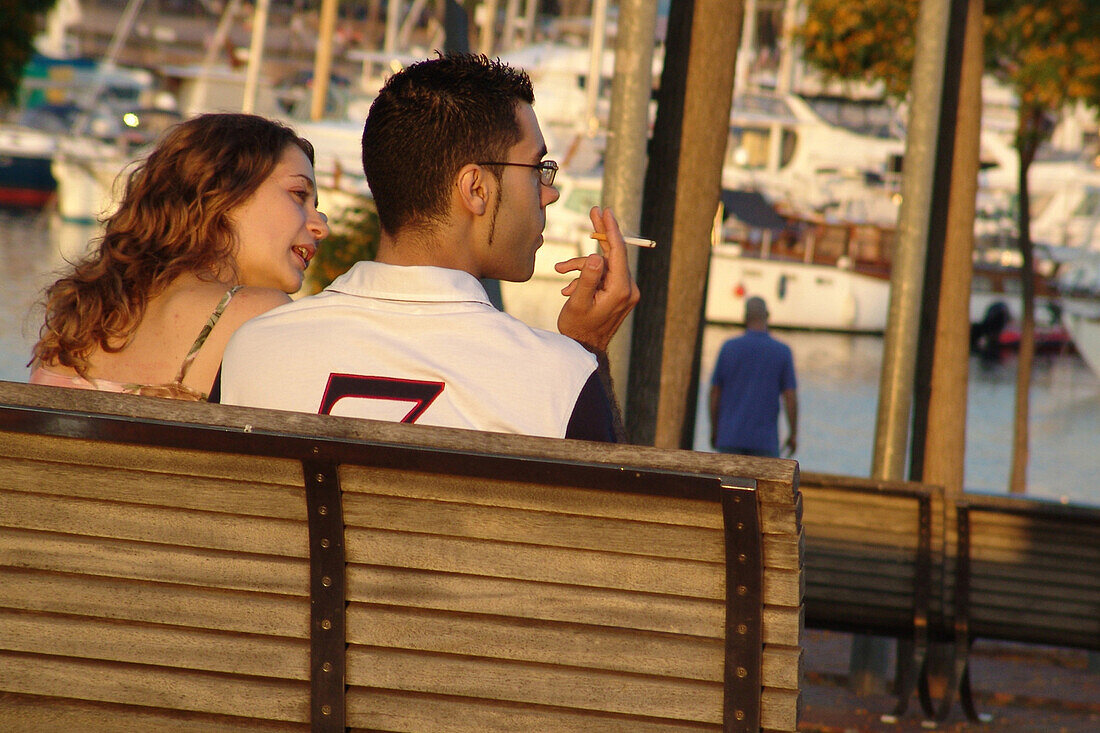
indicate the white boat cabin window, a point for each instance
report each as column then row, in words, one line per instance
column 748, row 147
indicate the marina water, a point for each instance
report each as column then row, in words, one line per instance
column 838, row 383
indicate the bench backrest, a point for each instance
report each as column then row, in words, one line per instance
column 1027, row 570
column 897, row 558
column 204, row 567
column 872, row 553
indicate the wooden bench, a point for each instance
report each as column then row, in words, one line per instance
column 172, row 566
column 873, row 556
column 896, row 559
column 1025, row 570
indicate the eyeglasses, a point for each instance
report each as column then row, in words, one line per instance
column 547, row 169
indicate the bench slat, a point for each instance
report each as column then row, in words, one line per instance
column 532, row 562
column 210, row 651
column 177, row 605
column 144, row 561
column 843, row 541
column 231, row 496
column 871, row 576
column 394, row 710
column 558, row 686
column 151, row 686
column 1037, row 627
column 859, row 596
column 892, row 561
column 159, row 525
column 779, row 710
column 1023, row 598
column 534, row 600
column 1036, row 582
column 521, row 495
column 34, row 714
column 777, row 514
column 782, row 668
column 628, row 536
column 623, row 650
column 542, row 601
column 1029, row 548
column 164, row 461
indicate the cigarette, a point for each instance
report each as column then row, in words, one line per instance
column 635, row 241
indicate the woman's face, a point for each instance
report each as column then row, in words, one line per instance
column 279, row 226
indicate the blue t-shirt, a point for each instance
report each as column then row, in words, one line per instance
column 752, row 371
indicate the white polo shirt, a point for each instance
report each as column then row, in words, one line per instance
column 412, row 344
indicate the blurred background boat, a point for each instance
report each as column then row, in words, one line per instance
column 1085, row 330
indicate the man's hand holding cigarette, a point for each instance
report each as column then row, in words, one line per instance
column 604, row 292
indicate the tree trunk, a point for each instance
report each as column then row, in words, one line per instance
column 1027, row 143
column 940, row 412
column 900, row 342
column 682, row 187
column 627, row 137
column 867, row 664
column 945, row 440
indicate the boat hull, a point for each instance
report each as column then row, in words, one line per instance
column 799, row 295
column 25, row 177
column 89, row 179
column 1085, row 330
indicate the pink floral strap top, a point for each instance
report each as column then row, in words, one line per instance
column 175, row 389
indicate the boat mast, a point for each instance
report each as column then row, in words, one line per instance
column 488, row 15
column 746, row 54
column 255, row 55
column 784, row 82
column 597, row 33
column 322, row 63
column 122, row 32
column 217, row 43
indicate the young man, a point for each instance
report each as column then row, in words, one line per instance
column 454, row 157
column 753, row 372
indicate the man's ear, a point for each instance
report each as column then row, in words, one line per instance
column 475, row 186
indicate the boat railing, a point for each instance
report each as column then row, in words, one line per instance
column 865, row 247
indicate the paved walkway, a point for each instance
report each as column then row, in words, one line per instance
column 1026, row 689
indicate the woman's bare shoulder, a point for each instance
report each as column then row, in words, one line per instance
column 249, row 302
column 200, row 299
column 259, row 299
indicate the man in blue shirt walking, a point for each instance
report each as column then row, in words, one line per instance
column 752, row 373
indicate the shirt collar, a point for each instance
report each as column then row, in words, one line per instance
column 414, row 282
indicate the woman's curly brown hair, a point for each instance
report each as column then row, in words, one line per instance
column 174, row 218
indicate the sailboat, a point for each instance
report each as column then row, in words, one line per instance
column 59, row 92
column 89, row 167
column 109, row 130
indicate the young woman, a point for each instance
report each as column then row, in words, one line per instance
column 216, row 226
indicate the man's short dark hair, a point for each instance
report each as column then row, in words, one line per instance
column 756, row 309
column 431, row 119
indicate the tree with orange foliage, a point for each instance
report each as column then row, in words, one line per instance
column 1048, row 53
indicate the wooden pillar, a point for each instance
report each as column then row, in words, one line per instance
column 682, row 188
